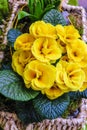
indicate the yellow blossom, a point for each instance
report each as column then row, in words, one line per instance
column 46, row 49
column 39, row 75
column 20, row 59
column 60, row 77
column 84, row 86
column 62, row 45
column 53, row 93
column 24, row 42
column 69, row 76
column 67, row 33
column 76, row 50
column 83, row 62
column 42, row 29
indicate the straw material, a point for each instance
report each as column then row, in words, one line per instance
column 64, row 5
column 9, row 121
column 8, row 24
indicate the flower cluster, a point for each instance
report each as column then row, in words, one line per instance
column 51, row 59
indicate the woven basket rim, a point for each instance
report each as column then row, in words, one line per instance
column 10, row 120
column 67, row 7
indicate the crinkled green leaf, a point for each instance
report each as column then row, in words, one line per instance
column 12, row 86
column 78, row 94
column 26, row 112
column 50, row 109
column 12, row 35
column 54, row 17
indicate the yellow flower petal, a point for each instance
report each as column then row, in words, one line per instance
column 20, row 59
column 72, row 77
column 53, row 92
column 40, row 75
column 84, row 87
column 76, row 50
column 61, row 73
column 75, row 76
column 24, row 42
column 42, row 29
column 67, row 33
column 46, row 49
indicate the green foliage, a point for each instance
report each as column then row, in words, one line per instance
column 22, row 14
column 73, row 106
column 52, row 2
column 6, row 66
column 12, row 35
column 4, row 10
column 12, row 86
column 84, row 127
column 76, row 22
column 50, row 109
column 37, row 8
column 78, row 94
column 54, row 17
column 73, row 2
column 27, row 113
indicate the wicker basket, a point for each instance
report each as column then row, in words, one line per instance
column 82, row 12
column 10, row 121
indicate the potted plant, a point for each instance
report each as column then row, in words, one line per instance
column 43, row 68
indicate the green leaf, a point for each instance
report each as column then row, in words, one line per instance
column 22, row 14
column 78, row 94
column 4, row 9
column 73, row 2
column 26, row 112
column 12, row 35
column 42, row 3
column 31, row 6
column 12, row 86
column 38, row 9
column 50, row 109
column 54, row 17
column 6, row 66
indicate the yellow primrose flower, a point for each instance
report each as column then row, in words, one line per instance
column 39, row 75
column 60, row 77
column 62, row 45
column 46, row 49
column 20, row 59
column 76, row 50
column 53, row 93
column 24, row 42
column 65, row 58
column 42, row 29
column 85, row 71
column 67, row 33
column 70, row 75
column 84, row 87
column 83, row 62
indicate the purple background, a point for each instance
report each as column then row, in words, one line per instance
column 83, row 3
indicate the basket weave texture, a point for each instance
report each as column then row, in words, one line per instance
column 10, row 121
